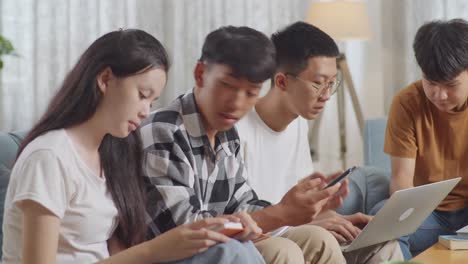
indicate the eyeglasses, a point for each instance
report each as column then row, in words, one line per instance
column 320, row 88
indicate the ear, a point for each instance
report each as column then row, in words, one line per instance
column 280, row 80
column 198, row 73
column 103, row 79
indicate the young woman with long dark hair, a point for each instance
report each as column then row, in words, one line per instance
column 76, row 193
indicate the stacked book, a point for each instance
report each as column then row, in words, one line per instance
column 455, row 242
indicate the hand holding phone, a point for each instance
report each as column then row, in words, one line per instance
column 230, row 229
column 341, row 177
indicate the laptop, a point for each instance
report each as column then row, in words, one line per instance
column 402, row 214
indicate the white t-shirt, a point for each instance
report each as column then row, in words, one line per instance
column 275, row 161
column 50, row 172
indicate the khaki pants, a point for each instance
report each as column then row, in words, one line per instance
column 312, row 244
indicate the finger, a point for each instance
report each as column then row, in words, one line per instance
column 338, row 237
column 247, row 221
column 203, row 243
column 207, row 234
column 201, row 250
column 243, row 236
column 207, row 222
column 357, row 230
column 344, row 189
column 251, row 229
column 248, row 235
column 315, row 175
column 231, row 218
column 341, row 229
column 358, row 218
column 351, row 228
column 216, row 236
column 363, row 218
column 310, row 184
column 253, row 236
column 316, row 196
column 333, row 203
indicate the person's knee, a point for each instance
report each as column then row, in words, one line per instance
column 393, row 250
column 314, row 236
column 234, row 251
column 248, row 253
column 377, row 207
column 318, row 245
column 280, row 250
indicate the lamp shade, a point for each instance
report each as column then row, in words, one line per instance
column 342, row 20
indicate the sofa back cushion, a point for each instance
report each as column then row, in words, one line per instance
column 9, row 144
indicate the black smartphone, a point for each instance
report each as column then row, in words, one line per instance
column 341, row 177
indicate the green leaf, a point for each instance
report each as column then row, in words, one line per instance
column 5, row 46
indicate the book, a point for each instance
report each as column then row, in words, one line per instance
column 454, row 242
column 463, row 232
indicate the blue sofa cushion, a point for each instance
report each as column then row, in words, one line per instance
column 374, row 138
column 4, row 179
column 367, row 186
column 9, row 143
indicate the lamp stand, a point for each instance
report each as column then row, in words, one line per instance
column 342, row 66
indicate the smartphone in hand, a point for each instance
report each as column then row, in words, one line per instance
column 341, row 177
column 230, row 229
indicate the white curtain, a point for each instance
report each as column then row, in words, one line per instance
column 49, row 36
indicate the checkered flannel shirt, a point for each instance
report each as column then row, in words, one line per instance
column 186, row 179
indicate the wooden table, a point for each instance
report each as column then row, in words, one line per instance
column 438, row 254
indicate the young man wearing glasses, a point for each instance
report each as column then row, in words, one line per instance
column 274, row 138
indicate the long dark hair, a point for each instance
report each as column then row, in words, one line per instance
column 126, row 52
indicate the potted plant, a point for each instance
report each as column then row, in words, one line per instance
column 6, row 48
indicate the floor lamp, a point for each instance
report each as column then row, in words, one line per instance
column 343, row 21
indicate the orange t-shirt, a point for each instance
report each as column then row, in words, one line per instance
column 437, row 140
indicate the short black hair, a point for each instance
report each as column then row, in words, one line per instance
column 248, row 52
column 441, row 49
column 298, row 42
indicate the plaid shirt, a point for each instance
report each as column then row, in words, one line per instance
column 186, row 179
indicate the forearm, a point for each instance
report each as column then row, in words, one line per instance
column 402, row 173
column 396, row 185
column 270, row 218
column 141, row 253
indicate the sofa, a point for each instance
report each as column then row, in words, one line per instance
column 368, row 184
column 9, row 143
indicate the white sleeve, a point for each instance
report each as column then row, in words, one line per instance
column 305, row 166
column 41, row 178
column 244, row 148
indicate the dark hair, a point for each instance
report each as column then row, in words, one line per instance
column 298, row 42
column 126, row 52
column 441, row 49
column 248, row 52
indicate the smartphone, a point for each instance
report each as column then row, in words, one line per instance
column 341, row 177
column 230, row 229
